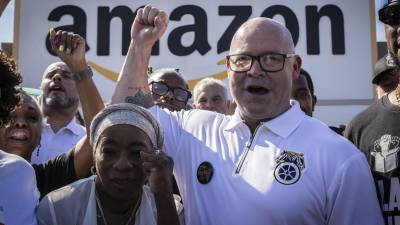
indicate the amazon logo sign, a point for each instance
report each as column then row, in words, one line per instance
column 199, row 28
column 334, row 38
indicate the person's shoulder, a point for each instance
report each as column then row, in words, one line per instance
column 317, row 127
column 363, row 119
column 66, row 192
column 76, row 128
column 10, row 163
column 326, row 139
column 367, row 114
column 205, row 118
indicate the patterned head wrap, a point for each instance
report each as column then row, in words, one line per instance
column 130, row 114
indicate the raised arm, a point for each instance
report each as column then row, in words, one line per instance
column 70, row 48
column 132, row 86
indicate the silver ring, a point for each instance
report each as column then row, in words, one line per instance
column 157, row 152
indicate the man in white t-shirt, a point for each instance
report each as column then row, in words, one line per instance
column 268, row 163
column 59, row 104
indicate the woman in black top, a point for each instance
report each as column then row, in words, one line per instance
column 22, row 135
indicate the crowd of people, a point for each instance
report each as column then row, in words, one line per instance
column 153, row 156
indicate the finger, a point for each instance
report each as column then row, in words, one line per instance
column 63, row 41
column 145, row 14
column 139, row 15
column 52, row 36
column 68, row 43
column 152, row 15
column 58, row 39
column 148, row 169
column 75, row 41
column 160, row 23
column 151, row 156
column 150, row 166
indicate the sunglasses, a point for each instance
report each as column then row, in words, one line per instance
column 161, row 89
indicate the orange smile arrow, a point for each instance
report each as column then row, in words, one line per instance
column 114, row 76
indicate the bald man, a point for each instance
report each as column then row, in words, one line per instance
column 59, row 105
column 266, row 164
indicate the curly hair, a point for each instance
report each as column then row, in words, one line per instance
column 9, row 81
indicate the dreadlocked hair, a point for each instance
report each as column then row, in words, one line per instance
column 9, row 81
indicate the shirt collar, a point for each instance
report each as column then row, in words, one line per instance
column 72, row 126
column 283, row 125
column 234, row 121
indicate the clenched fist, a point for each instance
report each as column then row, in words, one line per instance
column 149, row 25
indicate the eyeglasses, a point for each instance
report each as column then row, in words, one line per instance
column 390, row 15
column 160, row 88
column 268, row 62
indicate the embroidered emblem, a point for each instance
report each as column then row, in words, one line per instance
column 384, row 153
column 289, row 167
column 205, row 172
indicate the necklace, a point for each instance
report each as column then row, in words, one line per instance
column 133, row 211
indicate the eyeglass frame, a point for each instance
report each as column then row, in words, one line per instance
column 285, row 56
column 172, row 90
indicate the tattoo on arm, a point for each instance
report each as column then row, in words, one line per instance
column 140, row 98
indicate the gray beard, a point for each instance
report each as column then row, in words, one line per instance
column 60, row 102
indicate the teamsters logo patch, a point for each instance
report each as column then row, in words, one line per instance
column 288, row 167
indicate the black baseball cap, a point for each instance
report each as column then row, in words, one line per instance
column 390, row 13
column 380, row 68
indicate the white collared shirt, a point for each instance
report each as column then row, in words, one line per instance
column 328, row 180
column 55, row 144
column 18, row 192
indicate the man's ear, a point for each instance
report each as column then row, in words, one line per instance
column 296, row 67
column 232, row 107
column 314, row 102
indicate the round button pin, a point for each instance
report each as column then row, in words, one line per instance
column 205, row 172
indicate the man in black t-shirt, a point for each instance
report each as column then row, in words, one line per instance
column 376, row 130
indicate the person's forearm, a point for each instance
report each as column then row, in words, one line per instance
column 90, row 100
column 166, row 209
column 91, row 103
column 83, row 158
column 132, row 85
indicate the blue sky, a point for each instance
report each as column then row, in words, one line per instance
column 7, row 22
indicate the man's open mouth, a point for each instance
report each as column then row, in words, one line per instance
column 257, row 90
column 56, row 87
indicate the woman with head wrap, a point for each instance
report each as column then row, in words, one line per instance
column 126, row 140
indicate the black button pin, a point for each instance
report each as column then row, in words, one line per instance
column 205, row 172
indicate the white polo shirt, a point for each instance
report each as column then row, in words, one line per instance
column 18, row 192
column 55, row 144
column 295, row 171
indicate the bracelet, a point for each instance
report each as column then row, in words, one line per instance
column 82, row 74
